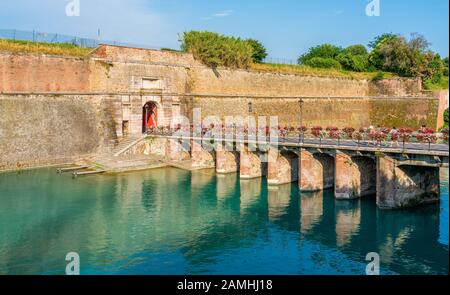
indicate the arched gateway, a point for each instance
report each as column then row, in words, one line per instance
column 150, row 116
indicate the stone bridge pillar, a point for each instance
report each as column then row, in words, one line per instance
column 316, row 171
column 402, row 186
column 355, row 176
column 227, row 161
column 282, row 167
column 252, row 163
column 177, row 150
column 202, row 156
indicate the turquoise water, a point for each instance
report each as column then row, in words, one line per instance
column 169, row 221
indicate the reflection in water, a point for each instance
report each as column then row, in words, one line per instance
column 387, row 249
column 226, row 185
column 311, row 209
column 201, row 178
column 250, row 193
column 169, row 221
column 279, row 200
column 348, row 220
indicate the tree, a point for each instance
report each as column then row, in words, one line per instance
column 259, row 51
column 445, row 63
column 358, row 49
column 418, row 43
column 433, row 67
column 446, row 118
column 324, row 51
column 392, row 55
column 379, row 39
column 409, row 58
column 354, row 58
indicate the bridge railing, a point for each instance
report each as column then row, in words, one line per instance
column 381, row 137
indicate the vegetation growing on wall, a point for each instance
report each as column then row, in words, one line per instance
column 218, row 50
column 322, row 56
column 215, row 50
column 390, row 53
column 319, row 72
column 445, row 119
column 354, row 58
column 259, row 51
column 46, row 48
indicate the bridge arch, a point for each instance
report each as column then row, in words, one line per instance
column 253, row 163
column 227, row 159
column 317, row 170
column 367, row 166
column 203, row 155
column 356, row 175
column 283, row 167
column 409, row 184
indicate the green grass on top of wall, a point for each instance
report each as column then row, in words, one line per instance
column 64, row 49
column 442, row 84
column 310, row 71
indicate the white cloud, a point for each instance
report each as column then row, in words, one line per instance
column 223, row 13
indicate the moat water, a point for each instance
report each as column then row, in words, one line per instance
column 169, row 221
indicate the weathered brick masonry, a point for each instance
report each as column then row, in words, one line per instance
column 80, row 98
column 43, row 73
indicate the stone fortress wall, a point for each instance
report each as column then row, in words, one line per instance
column 55, row 108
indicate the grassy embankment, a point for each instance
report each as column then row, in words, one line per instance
column 443, row 84
column 306, row 70
column 46, row 48
column 73, row 50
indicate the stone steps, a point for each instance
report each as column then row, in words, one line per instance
column 124, row 143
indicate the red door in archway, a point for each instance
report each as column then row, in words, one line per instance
column 150, row 116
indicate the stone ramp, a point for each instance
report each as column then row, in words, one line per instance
column 118, row 160
column 127, row 144
column 114, row 164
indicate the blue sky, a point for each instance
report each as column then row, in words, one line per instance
column 286, row 27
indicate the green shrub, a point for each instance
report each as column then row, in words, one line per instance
column 354, row 58
column 326, row 51
column 326, row 63
column 434, row 84
column 169, row 49
column 218, row 50
column 379, row 76
column 445, row 62
column 357, row 63
column 259, row 51
column 358, row 49
column 446, row 122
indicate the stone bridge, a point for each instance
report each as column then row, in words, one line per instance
column 399, row 178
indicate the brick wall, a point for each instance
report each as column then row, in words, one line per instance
column 340, row 112
column 42, row 129
column 223, row 81
column 43, row 73
column 396, row 87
